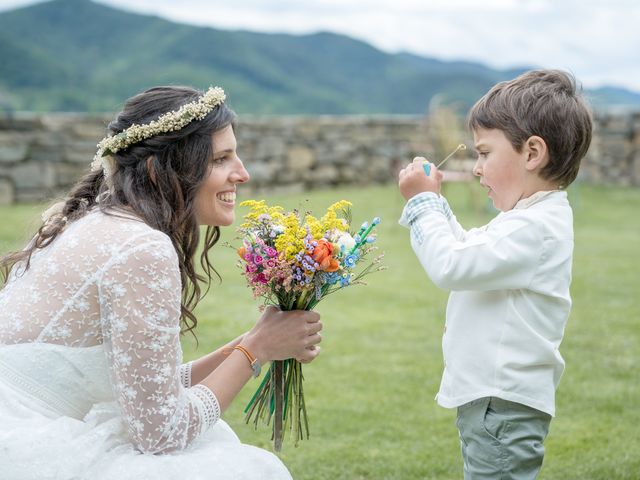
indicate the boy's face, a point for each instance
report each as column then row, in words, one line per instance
column 500, row 167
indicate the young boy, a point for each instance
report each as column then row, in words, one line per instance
column 509, row 280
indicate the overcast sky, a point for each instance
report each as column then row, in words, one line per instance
column 599, row 41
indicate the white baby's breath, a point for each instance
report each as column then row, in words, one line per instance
column 168, row 122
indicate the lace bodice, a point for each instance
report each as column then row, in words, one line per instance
column 115, row 281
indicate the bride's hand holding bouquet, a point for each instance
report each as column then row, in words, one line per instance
column 281, row 333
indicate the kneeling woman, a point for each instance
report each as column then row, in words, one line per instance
column 92, row 383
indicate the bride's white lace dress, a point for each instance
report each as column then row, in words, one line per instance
column 92, row 384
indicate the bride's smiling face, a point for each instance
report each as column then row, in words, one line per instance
column 216, row 197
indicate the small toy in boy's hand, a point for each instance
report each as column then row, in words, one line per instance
column 427, row 166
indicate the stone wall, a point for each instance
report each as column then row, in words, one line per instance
column 41, row 156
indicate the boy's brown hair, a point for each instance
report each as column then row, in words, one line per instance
column 545, row 103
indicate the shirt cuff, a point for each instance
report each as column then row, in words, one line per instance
column 419, row 204
column 447, row 209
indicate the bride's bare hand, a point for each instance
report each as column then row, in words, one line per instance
column 280, row 335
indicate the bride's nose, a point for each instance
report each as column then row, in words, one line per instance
column 240, row 174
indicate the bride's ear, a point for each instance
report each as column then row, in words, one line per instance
column 537, row 153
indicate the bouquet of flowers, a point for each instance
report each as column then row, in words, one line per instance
column 293, row 262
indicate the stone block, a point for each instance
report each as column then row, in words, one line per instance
column 300, row 157
column 325, row 155
column 67, row 174
column 616, row 148
column 307, row 128
column 80, row 157
column 62, row 122
column 261, row 172
column 92, row 130
column 357, row 161
column 343, row 150
column 635, row 168
column 322, row 176
column 7, row 191
column 31, row 195
column 13, row 153
column 348, row 174
column 44, row 155
column 79, row 151
column 33, row 175
column 381, row 169
column 271, row 147
column 619, row 124
column 14, row 146
column 287, row 175
column 47, row 139
column 23, row 122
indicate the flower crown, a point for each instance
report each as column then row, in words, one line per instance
column 168, row 122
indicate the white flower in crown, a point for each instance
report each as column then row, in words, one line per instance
column 168, row 122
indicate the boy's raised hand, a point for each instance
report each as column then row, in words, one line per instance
column 413, row 179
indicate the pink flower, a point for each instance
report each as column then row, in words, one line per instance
column 261, row 278
column 251, row 268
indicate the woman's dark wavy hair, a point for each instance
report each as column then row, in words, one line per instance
column 157, row 179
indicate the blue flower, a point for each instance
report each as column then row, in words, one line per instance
column 350, row 260
column 332, row 278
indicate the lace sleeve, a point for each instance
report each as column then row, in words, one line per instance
column 140, row 296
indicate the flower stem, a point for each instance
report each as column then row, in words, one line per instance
column 279, row 405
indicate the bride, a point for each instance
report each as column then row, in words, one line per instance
column 92, row 384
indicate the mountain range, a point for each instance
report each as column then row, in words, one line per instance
column 76, row 55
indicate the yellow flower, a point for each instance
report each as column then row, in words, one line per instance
column 257, row 208
column 315, row 226
column 291, row 241
column 331, row 219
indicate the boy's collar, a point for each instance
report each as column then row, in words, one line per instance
column 536, row 197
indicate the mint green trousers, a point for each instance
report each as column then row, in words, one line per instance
column 501, row 440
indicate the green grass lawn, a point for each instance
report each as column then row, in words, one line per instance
column 370, row 394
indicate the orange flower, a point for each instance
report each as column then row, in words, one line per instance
column 241, row 252
column 323, row 255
